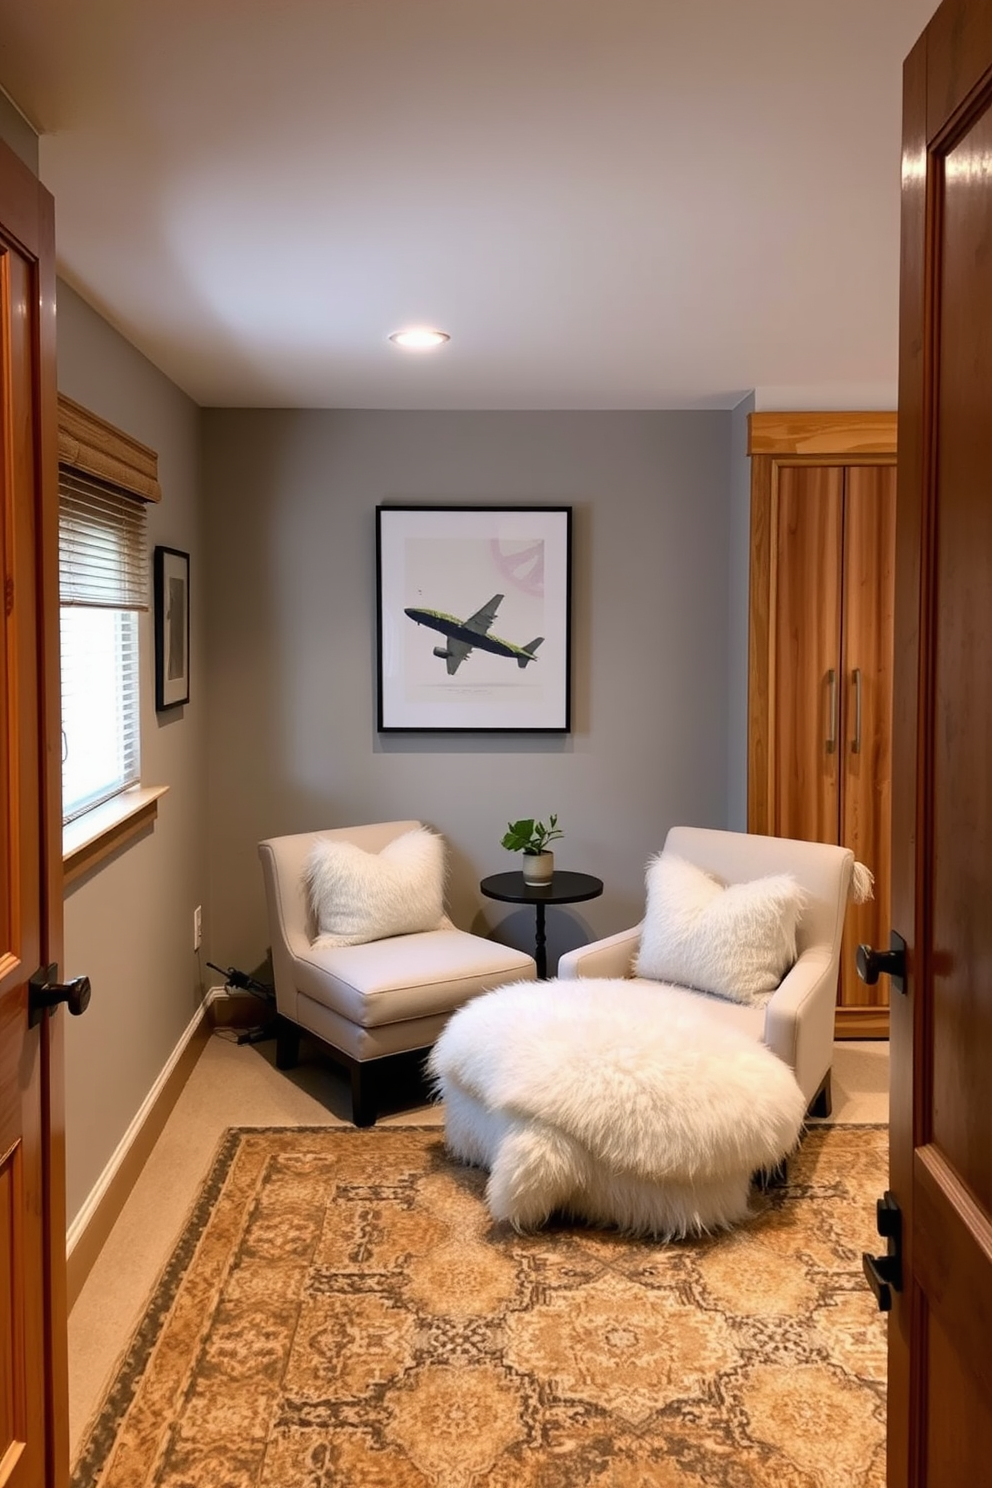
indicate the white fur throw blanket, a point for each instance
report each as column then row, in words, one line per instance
column 614, row 1102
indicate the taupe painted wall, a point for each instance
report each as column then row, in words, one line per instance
column 128, row 925
column 16, row 132
column 290, row 501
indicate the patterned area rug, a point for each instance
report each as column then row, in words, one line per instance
column 341, row 1312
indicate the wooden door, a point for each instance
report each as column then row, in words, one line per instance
column 866, row 746
column 32, row 1205
column 940, row 1390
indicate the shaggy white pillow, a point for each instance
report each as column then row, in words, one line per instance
column 358, row 896
column 736, row 940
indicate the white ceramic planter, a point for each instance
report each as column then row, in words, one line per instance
column 538, row 868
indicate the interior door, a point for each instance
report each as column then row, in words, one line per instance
column 940, row 1385
column 32, row 1205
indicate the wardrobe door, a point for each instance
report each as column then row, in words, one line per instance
column 866, row 773
column 806, row 686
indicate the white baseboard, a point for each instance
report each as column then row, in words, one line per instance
column 95, row 1219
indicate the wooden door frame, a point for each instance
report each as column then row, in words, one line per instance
column 904, row 1446
column 29, row 219
column 776, row 440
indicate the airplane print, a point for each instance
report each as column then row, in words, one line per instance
column 463, row 636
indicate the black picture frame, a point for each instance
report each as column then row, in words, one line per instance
column 171, row 628
column 474, row 619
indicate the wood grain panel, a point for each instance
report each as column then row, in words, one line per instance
column 866, row 790
column 842, row 435
column 11, row 1422
column 908, row 1318
column 953, row 1258
column 790, row 569
column 940, row 1370
column 806, row 627
column 958, row 1418
column 44, row 403
column 23, row 1451
column 962, row 737
column 28, row 1062
column 861, row 1022
column 960, row 43
column 8, row 793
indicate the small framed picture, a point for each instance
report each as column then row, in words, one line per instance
column 474, row 618
column 171, row 628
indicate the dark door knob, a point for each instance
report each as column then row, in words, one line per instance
column 45, row 992
column 871, row 963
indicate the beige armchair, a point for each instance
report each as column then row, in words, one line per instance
column 373, row 1000
column 797, row 1022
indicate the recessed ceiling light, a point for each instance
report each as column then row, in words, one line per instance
column 419, row 338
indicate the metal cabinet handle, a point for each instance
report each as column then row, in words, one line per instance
column 832, row 710
column 856, row 741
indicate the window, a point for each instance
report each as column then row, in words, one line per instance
column 106, row 480
column 103, row 584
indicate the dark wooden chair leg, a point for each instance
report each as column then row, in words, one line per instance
column 287, row 1044
column 363, row 1102
column 821, row 1105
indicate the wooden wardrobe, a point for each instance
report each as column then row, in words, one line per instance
column 823, row 494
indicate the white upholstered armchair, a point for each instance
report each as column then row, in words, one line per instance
column 796, row 1021
column 390, row 994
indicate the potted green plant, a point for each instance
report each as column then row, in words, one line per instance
column 531, row 838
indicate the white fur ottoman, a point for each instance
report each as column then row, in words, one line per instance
column 612, row 1102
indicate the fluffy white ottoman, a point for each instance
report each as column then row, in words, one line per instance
column 613, row 1103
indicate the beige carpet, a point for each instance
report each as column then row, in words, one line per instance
column 341, row 1313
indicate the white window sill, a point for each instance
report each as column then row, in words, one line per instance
column 92, row 837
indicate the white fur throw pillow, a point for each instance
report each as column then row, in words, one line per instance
column 736, row 940
column 358, row 896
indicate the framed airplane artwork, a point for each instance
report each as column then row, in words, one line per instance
column 474, row 618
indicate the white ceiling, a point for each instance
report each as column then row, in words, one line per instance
column 607, row 203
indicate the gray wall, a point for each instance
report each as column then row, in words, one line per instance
column 128, row 924
column 16, row 132
column 293, row 746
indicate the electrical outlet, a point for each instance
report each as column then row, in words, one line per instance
column 197, row 927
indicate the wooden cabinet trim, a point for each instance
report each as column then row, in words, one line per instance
column 812, row 435
column 861, row 1023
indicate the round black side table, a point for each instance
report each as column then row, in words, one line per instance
column 564, row 888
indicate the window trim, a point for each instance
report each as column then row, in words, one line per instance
column 93, row 445
column 101, row 831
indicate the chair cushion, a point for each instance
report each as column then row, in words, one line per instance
column 735, row 940
column 358, row 896
column 407, row 976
